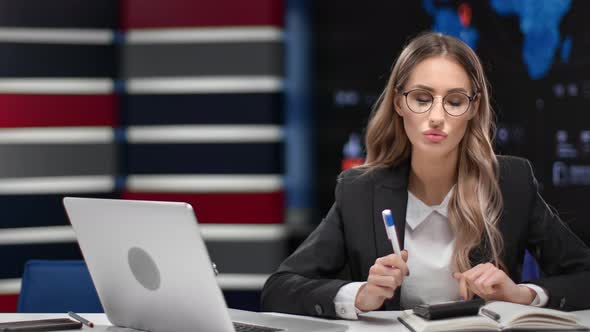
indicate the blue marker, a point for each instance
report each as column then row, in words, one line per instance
column 390, row 229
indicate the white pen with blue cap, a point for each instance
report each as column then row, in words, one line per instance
column 390, row 229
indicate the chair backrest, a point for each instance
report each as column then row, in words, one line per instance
column 530, row 269
column 54, row 286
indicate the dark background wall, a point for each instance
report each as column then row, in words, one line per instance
column 536, row 55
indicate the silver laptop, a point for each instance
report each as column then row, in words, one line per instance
column 152, row 271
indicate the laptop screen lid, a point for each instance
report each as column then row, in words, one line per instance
column 149, row 264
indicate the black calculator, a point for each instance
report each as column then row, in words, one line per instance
column 449, row 309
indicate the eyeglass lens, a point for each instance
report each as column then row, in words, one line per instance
column 421, row 101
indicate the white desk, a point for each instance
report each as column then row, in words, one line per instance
column 379, row 321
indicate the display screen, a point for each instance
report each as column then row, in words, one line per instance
column 536, row 54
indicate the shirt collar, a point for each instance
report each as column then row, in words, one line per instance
column 418, row 211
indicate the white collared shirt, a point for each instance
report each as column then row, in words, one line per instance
column 429, row 241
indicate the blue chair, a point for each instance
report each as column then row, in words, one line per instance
column 530, row 269
column 54, row 286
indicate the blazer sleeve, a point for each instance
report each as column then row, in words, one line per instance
column 306, row 282
column 562, row 256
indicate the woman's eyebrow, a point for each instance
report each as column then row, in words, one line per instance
column 430, row 89
column 458, row 90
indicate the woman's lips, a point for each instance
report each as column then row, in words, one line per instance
column 435, row 136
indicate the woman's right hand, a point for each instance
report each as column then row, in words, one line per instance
column 385, row 276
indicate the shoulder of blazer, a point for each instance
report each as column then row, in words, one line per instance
column 357, row 175
column 515, row 170
column 394, row 176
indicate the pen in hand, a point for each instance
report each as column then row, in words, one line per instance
column 390, row 229
column 80, row 319
column 391, row 232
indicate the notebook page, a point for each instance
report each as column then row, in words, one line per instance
column 512, row 312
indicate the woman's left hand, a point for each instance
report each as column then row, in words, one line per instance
column 491, row 283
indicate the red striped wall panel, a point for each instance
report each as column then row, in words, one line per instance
column 8, row 302
column 182, row 13
column 27, row 110
column 232, row 208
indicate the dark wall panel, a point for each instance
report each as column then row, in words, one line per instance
column 263, row 158
column 57, row 60
column 217, row 108
column 38, row 210
column 59, row 13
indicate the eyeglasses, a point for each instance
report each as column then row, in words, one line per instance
column 421, row 101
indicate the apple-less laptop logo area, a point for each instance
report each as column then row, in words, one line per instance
column 144, row 268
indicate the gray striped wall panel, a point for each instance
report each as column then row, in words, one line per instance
column 34, row 160
column 247, row 257
column 203, row 59
column 260, row 257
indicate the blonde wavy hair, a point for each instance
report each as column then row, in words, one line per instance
column 476, row 202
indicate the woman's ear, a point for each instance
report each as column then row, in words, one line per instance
column 474, row 107
column 397, row 105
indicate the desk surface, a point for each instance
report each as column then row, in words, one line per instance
column 378, row 321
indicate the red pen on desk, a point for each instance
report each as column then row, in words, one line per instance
column 80, row 319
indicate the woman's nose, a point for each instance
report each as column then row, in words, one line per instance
column 437, row 112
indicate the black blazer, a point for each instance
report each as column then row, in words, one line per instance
column 352, row 236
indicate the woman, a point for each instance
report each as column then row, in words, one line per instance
column 463, row 215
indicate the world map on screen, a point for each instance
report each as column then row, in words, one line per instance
column 539, row 22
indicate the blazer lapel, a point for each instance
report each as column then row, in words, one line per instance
column 391, row 192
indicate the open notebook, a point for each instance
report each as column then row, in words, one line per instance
column 511, row 316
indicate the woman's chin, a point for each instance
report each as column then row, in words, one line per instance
column 433, row 149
